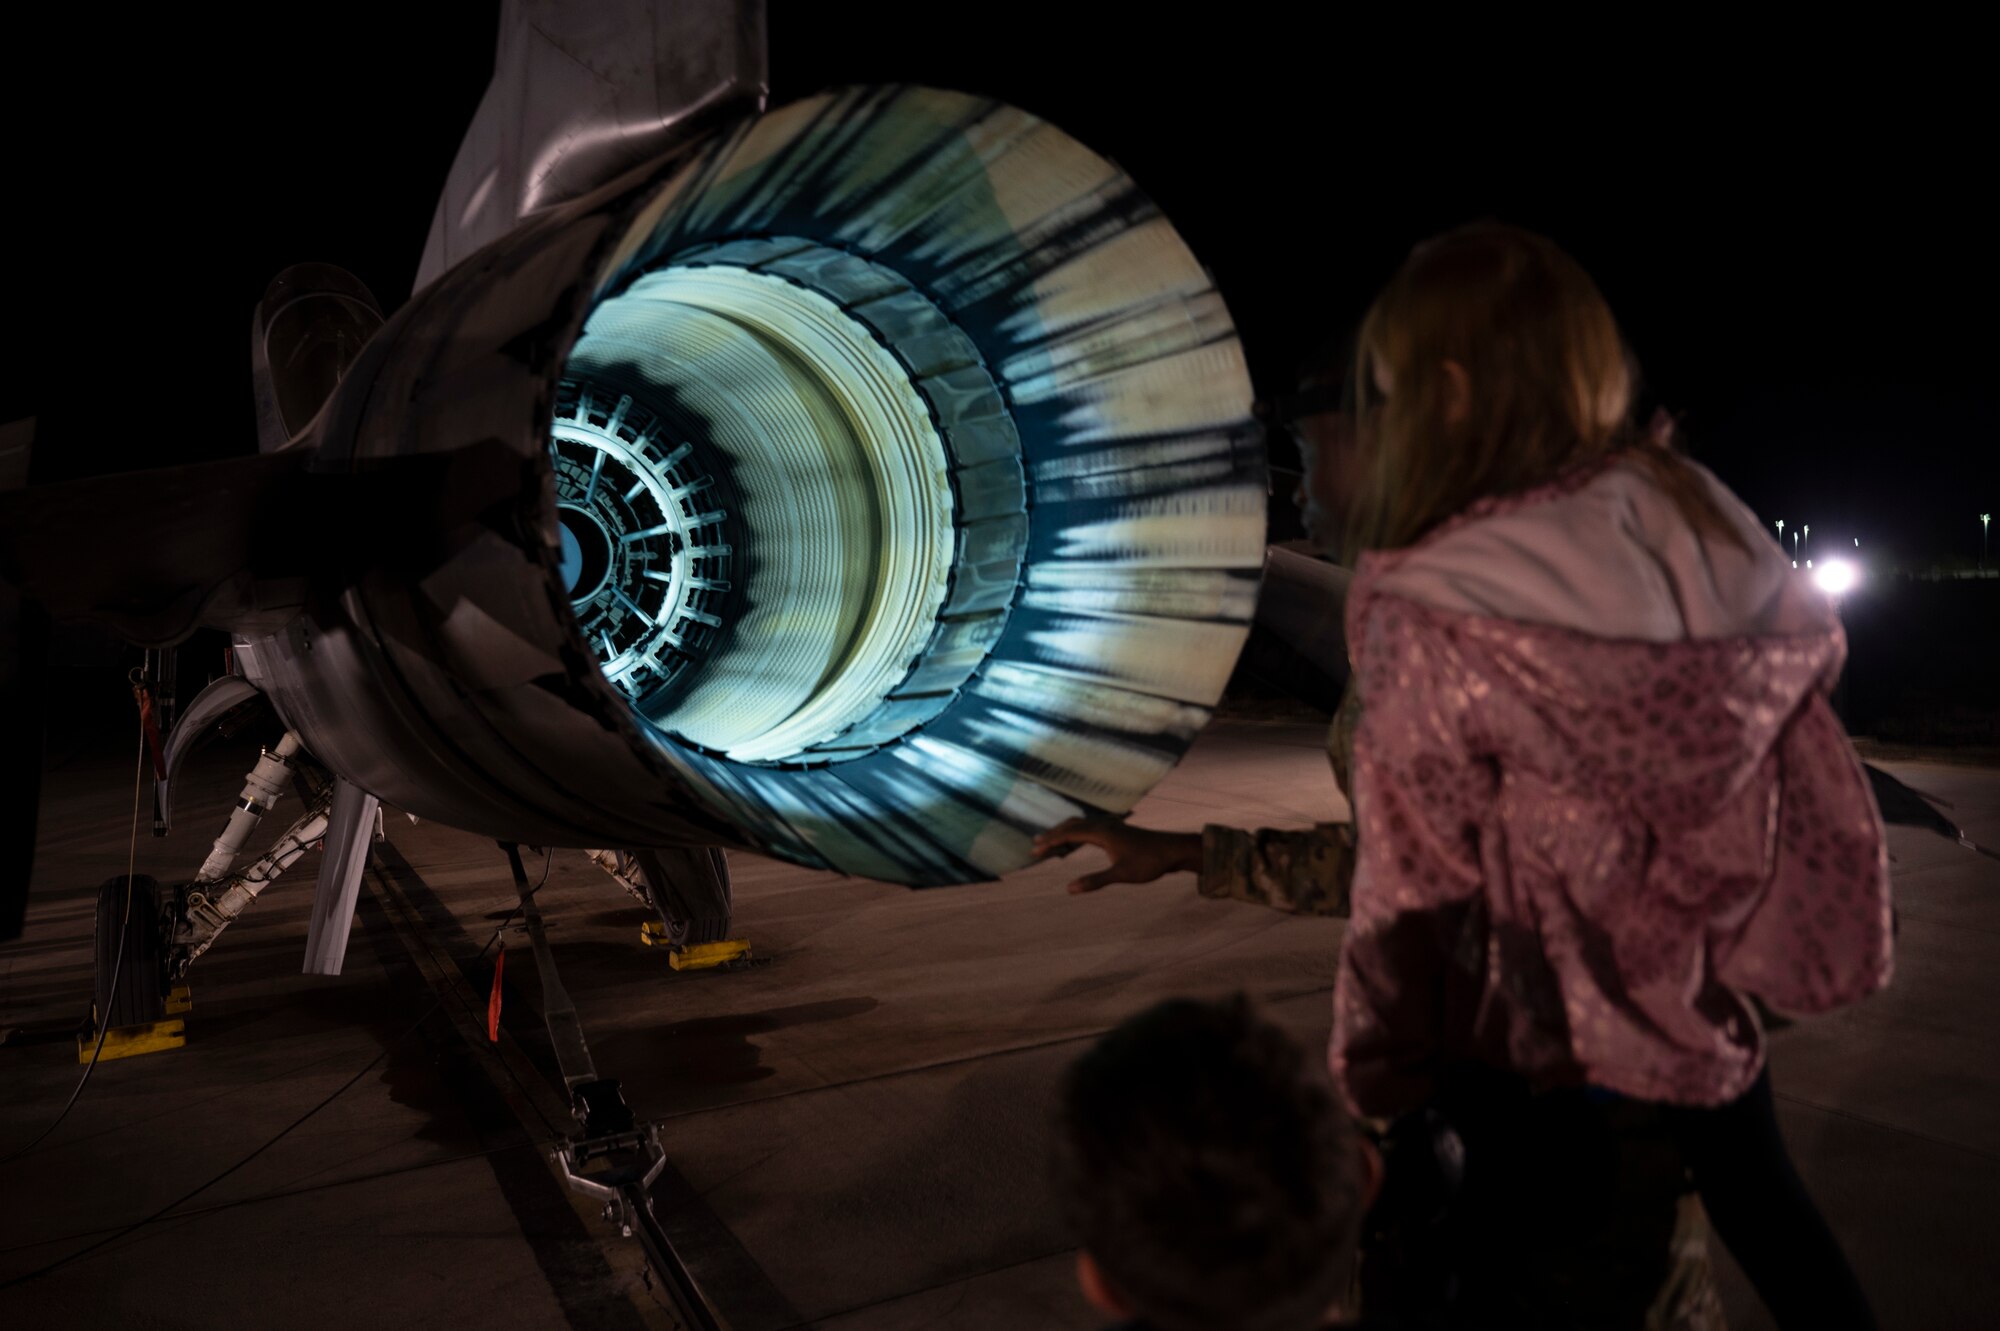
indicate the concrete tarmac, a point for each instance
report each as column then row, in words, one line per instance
column 857, row 1125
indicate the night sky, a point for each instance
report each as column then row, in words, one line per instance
column 1789, row 228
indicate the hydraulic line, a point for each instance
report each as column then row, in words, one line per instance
column 261, row 787
column 210, row 912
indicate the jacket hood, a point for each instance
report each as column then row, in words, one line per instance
column 1614, row 646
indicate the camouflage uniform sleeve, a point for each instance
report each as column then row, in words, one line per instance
column 1301, row 873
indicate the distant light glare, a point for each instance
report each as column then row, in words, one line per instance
column 1835, row 576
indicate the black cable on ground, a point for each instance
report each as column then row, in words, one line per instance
column 289, row 1191
column 117, row 964
column 283, row 1132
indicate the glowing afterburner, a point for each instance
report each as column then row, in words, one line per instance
column 906, row 483
column 839, row 519
column 645, row 555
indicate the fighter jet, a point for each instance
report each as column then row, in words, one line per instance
column 870, row 481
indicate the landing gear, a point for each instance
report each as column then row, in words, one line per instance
column 210, row 904
column 135, row 1011
column 689, row 891
column 147, row 936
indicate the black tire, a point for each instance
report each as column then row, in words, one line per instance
column 690, row 889
column 140, row 995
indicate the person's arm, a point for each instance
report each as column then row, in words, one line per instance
column 1415, row 952
column 1822, row 932
column 1305, row 873
column 1138, row 855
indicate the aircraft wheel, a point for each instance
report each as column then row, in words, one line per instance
column 139, row 996
column 690, row 889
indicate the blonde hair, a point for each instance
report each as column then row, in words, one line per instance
column 1548, row 386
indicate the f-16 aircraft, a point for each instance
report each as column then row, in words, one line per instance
column 870, row 481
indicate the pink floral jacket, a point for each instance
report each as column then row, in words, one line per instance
column 1601, row 798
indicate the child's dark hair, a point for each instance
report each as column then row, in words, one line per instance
column 1213, row 1182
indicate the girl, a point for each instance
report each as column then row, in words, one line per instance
column 1602, row 806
